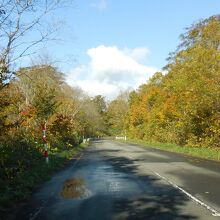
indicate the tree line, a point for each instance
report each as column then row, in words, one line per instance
column 182, row 104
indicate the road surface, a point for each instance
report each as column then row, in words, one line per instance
column 116, row 181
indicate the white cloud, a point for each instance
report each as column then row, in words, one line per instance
column 110, row 70
column 100, row 5
column 139, row 54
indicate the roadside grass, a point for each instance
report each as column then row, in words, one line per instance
column 18, row 190
column 202, row 152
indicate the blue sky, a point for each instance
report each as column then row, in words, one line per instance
column 137, row 34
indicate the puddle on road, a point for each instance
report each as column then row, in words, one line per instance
column 74, row 189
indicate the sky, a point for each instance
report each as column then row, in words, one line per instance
column 112, row 45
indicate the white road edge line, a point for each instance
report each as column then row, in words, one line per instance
column 214, row 212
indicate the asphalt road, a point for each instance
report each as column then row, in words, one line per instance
column 123, row 181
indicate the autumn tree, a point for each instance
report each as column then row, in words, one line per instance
column 183, row 106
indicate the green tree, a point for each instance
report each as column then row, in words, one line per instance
column 117, row 113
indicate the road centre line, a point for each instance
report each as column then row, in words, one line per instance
column 212, row 210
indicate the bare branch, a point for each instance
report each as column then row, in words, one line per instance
column 14, row 28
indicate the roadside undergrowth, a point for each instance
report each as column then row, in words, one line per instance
column 15, row 191
column 202, row 152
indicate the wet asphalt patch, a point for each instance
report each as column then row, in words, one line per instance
column 74, row 189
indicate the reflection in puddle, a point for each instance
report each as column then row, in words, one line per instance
column 74, row 189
